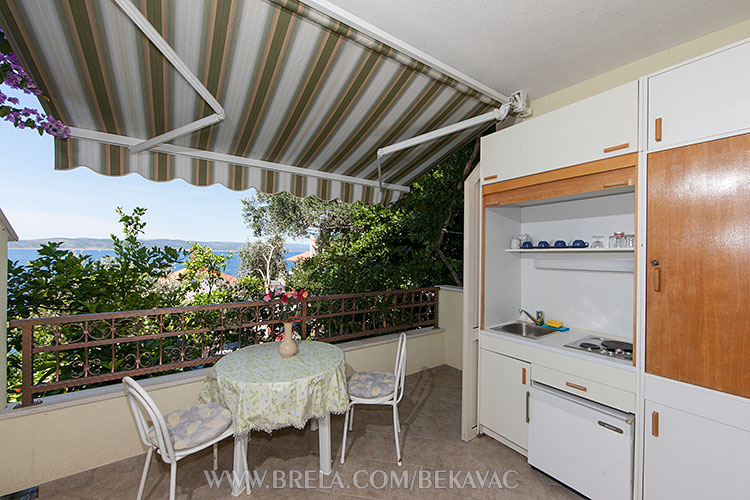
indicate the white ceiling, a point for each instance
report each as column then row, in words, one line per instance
column 543, row 46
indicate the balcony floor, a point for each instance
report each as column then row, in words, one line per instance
column 430, row 423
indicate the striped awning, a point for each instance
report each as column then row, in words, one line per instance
column 307, row 99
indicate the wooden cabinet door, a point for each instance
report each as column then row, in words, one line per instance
column 700, row 99
column 691, row 457
column 503, row 387
column 698, row 264
column 602, row 126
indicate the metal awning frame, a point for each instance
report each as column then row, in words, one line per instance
column 168, row 52
column 158, row 143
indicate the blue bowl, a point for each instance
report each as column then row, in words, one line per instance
column 579, row 244
column 542, row 244
column 526, row 244
column 560, row 244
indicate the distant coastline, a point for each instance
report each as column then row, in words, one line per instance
column 96, row 244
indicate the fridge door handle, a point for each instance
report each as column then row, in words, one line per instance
column 610, row 427
column 528, row 395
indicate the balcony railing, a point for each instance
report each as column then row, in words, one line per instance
column 66, row 352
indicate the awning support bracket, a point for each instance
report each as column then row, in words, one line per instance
column 169, row 53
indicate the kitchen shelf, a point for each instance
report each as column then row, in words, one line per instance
column 570, row 250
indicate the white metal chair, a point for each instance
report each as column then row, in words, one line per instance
column 378, row 388
column 177, row 434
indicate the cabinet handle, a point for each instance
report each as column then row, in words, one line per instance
column 657, row 279
column 616, row 148
column 523, row 376
column 615, row 184
column 655, row 424
column 490, row 177
column 491, row 203
column 528, row 395
column 576, row 386
column 657, row 130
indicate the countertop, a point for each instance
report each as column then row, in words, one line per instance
column 556, row 342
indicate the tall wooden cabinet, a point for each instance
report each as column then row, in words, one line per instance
column 696, row 411
column 698, row 256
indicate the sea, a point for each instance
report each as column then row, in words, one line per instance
column 24, row 255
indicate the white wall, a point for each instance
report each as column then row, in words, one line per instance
column 599, row 301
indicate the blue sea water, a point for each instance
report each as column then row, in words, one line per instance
column 23, row 256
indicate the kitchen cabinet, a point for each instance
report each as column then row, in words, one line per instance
column 602, row 126
column 570, row 203
column 503, row 396
column 700, row 99
column 698, row 253
column 692, row 457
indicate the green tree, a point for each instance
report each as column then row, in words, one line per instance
column 204, row 280
column 286, row 215
column 132, row 275
column 60, row 282
column 264, row 259
column 204, row 272
column 415, row 242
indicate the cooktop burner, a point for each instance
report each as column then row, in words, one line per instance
column 613, row 345
column 605, row 347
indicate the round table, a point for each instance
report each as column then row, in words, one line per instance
column 264, row 391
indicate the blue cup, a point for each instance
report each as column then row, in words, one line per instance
column 560, row 244
column 526, row 244
column 579, row 244
column 542, row 244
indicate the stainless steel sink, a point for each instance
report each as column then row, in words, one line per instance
column 524, row 329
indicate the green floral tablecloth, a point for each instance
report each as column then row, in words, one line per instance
column 264, row 391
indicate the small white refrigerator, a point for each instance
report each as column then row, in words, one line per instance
column 583, row 444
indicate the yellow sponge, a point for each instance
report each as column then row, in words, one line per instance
column 554, row 323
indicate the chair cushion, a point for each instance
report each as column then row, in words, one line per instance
column 371, row 385
column 194, row 425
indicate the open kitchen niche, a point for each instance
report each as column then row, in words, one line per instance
column 586, row 289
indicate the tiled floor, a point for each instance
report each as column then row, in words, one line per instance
column 432, row 451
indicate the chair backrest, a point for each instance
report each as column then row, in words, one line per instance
column 400, row 369
column 144, row 410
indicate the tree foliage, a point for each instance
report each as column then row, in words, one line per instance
column 415, row 242
column 286, row 215
column 263, row 259
column 204, row 280
column 61, row 282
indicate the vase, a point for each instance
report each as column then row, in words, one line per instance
column 288, row 346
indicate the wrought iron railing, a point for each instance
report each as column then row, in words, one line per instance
column 69, row 352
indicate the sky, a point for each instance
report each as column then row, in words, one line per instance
column 40, row 202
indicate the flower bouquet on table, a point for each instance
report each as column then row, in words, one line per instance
column 288, row 309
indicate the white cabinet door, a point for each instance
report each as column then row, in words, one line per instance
column 693, row 457
column 700, row 99
column 601, row 126
column 503, row 387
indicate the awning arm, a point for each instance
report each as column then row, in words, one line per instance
column 200, row 154
column 161, row 44
column 517, row 105
column 497, row 114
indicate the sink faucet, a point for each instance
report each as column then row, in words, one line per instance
column 539, row 316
